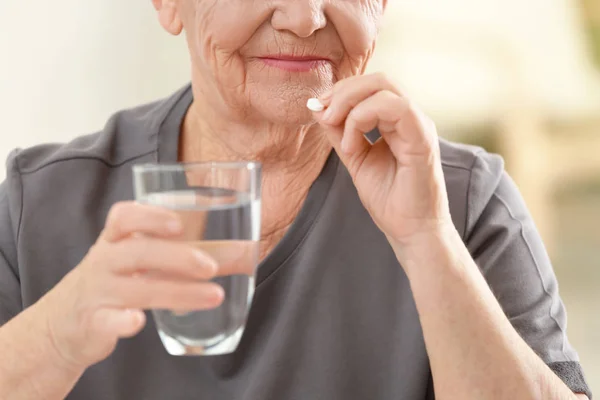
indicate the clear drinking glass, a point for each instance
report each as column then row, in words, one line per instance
column 219, row 204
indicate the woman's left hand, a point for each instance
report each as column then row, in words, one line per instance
column 399, row 179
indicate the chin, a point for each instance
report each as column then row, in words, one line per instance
column 288, row 116
column 281, row 97
column 286, row 107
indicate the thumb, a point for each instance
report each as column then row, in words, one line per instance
column 335, row 135
column 122, row 323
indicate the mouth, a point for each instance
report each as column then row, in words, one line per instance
column 294, row 63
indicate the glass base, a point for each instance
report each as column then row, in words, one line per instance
column 178, row 346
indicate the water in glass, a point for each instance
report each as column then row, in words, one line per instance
column 224, row 224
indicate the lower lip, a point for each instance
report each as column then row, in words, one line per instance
column 293, row 65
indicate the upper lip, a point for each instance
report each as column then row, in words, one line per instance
column 289, row 57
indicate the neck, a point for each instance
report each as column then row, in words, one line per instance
column 281, row 149
column 291, row 156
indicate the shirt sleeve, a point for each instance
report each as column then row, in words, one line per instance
column 10, row 205
column 506, row 246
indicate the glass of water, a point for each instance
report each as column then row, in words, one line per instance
column 219, row 205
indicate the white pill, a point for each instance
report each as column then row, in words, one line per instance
column 315, row 105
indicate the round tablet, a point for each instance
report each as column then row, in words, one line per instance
column 315, row 105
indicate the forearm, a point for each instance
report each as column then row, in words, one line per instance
column 29, row 366
column 474, row 351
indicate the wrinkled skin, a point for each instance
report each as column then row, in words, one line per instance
column 399, row 179
column 226, row 36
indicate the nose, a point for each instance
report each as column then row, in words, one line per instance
column 301, row 17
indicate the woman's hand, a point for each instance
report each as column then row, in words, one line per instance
column 134, row 265
column 399, row 179
column 400, row 182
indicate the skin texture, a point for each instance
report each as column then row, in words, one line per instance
column 245, row 109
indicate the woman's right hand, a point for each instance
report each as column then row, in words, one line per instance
column 137, row 263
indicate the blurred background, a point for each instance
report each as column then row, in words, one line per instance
column 521, row 78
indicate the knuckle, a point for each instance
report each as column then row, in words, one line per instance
column 382, row 78
column 127, row 255
column 117, row 214
column 193, row 265
column 389, row 84
column 94, row 256
column 341, row 89
column 412, row 108
column 338, row 86
column 421, row 119
column 118, row 211
column 185, row 255
column 414, row 113
column 388, row 95
column 355, row 116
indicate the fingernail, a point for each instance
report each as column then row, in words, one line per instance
column 218, row 295
column 174, row 226
column 207, row 261
column 136, row 315
column 328, row 114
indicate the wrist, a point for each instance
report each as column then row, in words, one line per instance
column 30, row 367
column 426, row 251
column 42, row 315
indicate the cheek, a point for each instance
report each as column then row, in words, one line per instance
column 357, row 23
column 221, row 26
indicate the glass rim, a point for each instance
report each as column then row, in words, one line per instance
column 174, row 167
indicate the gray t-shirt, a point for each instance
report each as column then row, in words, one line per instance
column 333, row 316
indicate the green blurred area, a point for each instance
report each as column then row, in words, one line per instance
column 591, row 14
column 594, row 33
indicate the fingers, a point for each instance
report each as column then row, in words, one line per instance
column 346, row 94
column 235, row 257
column 169, row 258
column 405, row 130
column 357, row 105
column 126, row 218
column 123, row 323
column 382, row 110
column 146, row 292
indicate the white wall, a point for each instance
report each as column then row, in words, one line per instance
column 66, row 65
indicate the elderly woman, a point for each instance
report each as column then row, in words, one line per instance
column 407, row 269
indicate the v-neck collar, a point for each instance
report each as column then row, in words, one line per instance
column 168, row 151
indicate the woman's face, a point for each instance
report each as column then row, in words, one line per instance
column 265, row 58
